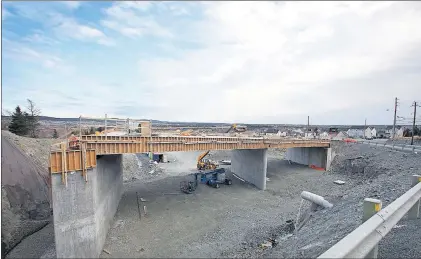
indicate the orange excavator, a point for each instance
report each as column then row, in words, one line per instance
column 237, row 128
column 205, row 164
column 186, row 133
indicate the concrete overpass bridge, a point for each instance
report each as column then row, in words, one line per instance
column 87, row 182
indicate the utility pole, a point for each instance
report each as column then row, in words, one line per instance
column 413, row 123
column 308, row 122
column 394, row 119
column 365, row 123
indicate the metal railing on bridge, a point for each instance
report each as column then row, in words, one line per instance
column 363, row 241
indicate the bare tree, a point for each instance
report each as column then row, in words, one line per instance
column 32, row 109
column 33, row 117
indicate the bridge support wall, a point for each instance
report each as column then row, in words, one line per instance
column 83, row 210
column 251, row 165
column 320, row 157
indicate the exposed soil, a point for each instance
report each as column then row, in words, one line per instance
column 234, row 221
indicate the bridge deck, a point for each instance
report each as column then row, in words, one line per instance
column 79, row 160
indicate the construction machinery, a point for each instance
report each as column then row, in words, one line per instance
column 205, row 164
column 215, row 177
column 211, row 178
column 189, row 186
column 237, row 128
column 186, row 133
column 74, row 142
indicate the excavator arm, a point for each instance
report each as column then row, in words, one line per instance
column 207, row 164
column 233, row 126
column 202, row 156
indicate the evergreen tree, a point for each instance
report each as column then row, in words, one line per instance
column 19, row 123
column 55, row 134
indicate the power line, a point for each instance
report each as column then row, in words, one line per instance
column 413, row 125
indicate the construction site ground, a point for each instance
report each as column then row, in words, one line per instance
column 233, row 221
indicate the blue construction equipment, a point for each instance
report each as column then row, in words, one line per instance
column 209, row 177
column 214, row 177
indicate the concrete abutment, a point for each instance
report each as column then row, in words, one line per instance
column 83, row 210
column 319, row 157
column 251, row 165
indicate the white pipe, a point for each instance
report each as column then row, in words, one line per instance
column 317, row 199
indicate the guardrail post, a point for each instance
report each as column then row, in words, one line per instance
column 414, row 212
column 371, row 207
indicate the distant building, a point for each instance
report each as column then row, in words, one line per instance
column 309, row 134
column 356, row 132
column 381, row 133
column 367, row 133
column 373, row 133
column 340, row 136
column 324, row 135
column 271, row 131
column 333, row 130
column 399, row 132
column 282, row 134
column 298, row 131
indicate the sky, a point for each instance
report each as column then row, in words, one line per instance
column 247, row 62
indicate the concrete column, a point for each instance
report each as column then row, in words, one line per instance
column 251, row 165
column 320, row 157
column 83, row 210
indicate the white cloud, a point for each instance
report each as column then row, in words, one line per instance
column 18, row 51
column 70, row 28
column 40, row 38
column 280, row 51
column 71, row 4
column 130, row 19
column 257, row 62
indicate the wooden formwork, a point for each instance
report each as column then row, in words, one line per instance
column 62, row 161
column 73, row 160
column 127, row 144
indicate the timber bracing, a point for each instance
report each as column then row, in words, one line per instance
column 91, row 146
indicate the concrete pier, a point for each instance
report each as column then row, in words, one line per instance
column 83, row 210
column 251, row 165
column 320, row 157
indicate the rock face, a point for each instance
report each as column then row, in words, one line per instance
column 25, row 196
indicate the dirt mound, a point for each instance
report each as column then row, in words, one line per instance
column 25, row 192
column 36, row 149
column 363, row 162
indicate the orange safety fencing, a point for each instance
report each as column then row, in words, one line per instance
column 350, row 140
column 317, row 168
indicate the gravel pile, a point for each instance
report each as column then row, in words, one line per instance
column 35, row 148
column 25, row 187
column 363, row 162
column 139, row 167
column 382, row 174
column 378, row 173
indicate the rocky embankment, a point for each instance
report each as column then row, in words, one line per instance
column 25, row 187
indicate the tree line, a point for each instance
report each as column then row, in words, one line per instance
column 25, row 123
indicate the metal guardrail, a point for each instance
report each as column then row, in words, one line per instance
column 398, row 147
column 363, row 241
